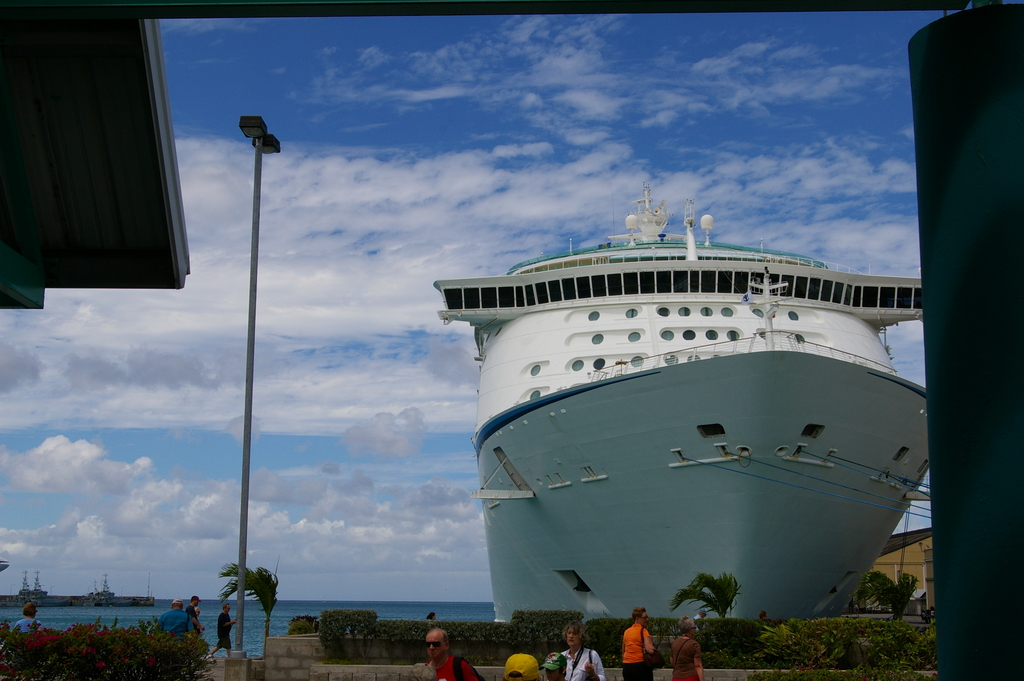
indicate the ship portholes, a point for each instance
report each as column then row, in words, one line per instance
column 684, row 312
column 535, row 395
column 535, row 370
column 757, row 312
column 663, row 312
column 667, row 334
column 631, row 313
column 577, row 365
column 727, row 312
column 812, row 430
column 671, row 359
column 634, row 337
column 689, row 334
column 710, row 430
column 733, row 335
column 594, row 316
column 706, row 312
column 597, row 339
column 711, row 334
column 782, row 451
column 794, row 316
column 637, row 361
column 799, row 338
column 599, row 363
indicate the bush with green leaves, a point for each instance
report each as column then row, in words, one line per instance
column 822, row 643
column 859, row 674
column 90, row 652
column 538, row 626
column 303, row 624
column 526, row 627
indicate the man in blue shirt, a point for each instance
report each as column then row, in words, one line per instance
column 174, row 621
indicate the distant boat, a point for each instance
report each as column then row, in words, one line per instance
column 98, row 597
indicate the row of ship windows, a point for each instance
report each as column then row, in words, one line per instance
column 600, row 362
column 668, row 334
column 667, row 281
column 686, row 312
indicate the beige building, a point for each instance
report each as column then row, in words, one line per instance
column 910, row 553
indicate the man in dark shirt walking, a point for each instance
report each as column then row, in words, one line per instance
column 193, row 615
column 224, row 623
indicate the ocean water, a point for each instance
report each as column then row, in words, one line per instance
column 284, row 611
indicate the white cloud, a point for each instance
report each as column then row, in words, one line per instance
column 387, row 435
column 17, row 367
column 351, row 524
column 236, row 428
column 60, row 465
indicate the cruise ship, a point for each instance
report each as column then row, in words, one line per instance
column 657, row 406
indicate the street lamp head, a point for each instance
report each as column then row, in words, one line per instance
column 252, row 126
column 271, row 145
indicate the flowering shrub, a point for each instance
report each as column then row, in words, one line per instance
column 89, row 652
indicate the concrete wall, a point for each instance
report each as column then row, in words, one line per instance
column 288, row 658
column 480, row 653
column 333, row 672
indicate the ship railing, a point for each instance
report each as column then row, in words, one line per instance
column 781, row 341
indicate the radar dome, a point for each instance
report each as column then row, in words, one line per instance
column 707, row 222
column 632, row 222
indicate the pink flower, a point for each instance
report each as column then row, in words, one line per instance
column 101, row 664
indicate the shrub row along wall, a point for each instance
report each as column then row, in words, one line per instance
column 727, row 643
column 358, row 636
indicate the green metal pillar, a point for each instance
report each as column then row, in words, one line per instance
column 967, row 79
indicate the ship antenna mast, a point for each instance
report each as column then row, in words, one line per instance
column 691, row 245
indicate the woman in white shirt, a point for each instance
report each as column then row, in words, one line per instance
column 584, row 664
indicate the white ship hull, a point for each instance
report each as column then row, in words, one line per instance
column 795, row 527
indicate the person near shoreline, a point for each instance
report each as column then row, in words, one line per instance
column 30, row 623
column 224, row 624
column 685, row 657
column 193, row 614
column 583, row 664
column 443, row 663
column 174, row 621
column 699, row 620
column 431, row 616
column 635, row 641
column 521, row 667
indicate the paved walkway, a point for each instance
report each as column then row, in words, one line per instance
column 215, row 672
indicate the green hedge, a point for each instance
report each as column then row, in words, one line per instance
column 859, row 674
column 726, row 643
column 525, row 627
column 88, row 652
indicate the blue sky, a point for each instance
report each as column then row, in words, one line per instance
column 415, row 149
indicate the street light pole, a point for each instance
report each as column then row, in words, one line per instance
column 264, row 143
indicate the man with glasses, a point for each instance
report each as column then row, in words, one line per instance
column 448, row 667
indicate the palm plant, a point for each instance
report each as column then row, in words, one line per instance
column 260, row 583
column 717, row 594
column 880, row 588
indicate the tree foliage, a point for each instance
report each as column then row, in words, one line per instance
column 717, row 594
column 879, row 588
column 260, row 583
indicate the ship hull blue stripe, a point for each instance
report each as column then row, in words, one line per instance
column 503, row 419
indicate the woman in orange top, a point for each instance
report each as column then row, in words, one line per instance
column 633, row 666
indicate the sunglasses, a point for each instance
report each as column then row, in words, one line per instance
column 515, row 675
column 434, row 644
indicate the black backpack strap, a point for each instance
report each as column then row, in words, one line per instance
column 457, row 668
